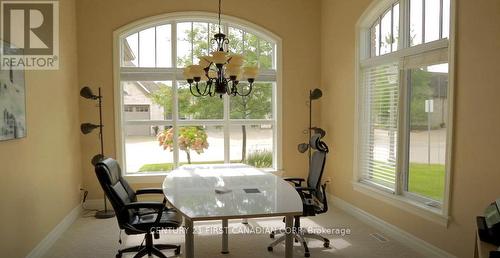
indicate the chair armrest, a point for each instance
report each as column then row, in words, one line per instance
column 149, row 191
column 147, row 205
column 297, row 181
column 306, row 189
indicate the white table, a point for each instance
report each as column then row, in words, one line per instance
column 191, row 190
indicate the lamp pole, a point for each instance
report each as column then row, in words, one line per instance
column 102, row 214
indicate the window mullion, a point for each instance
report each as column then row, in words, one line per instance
column 404, row 24
column 392, row 27
column 423, row 21
column 403, row 132
column 227, row 129
column 175, row 111
column 440, row 19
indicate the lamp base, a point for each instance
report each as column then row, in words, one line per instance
column 104, row 214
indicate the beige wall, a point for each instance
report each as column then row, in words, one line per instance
column 297, row 22
column 475, row 169
column 41, row 173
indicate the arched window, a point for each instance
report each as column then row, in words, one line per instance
column 403, row 99
column 160, row 125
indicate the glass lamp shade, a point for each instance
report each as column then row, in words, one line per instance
column 187, row 73
column 196, row 71
column 233, row 69
column 219, row 57
column 205, row 61
column 250, row 72
column 236, row 60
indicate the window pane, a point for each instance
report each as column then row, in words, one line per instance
column 416, row 29
column 200, row 40
column 432, row 14
column 395, row 27
column 385, row 45
column 184, row 44
column 191, row 108
column 258, row 105
column 147, row 48
column 266, row 54
column 130, row 51
column 235, row 40
column 251, row 46
column 446, row 18
column 201, row 144
column 252, row 144
column 379, row 124
column 164, row 46
column 428, row 123
column 375, row 39
column 143, row 152
column 156, row 95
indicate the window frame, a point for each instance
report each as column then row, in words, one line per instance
column 175, row 75
column 399, row 197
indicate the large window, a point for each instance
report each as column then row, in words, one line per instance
column 163, row 126
column 403, row 93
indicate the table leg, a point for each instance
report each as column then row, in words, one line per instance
column 225, row 249
column 189, row 239
column 289, row 237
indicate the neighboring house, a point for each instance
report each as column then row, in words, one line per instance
column 137, row 102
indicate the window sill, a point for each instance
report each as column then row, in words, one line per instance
column 158, row 177
column 432, row 214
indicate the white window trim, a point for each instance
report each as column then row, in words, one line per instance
column 204, row 17
column 441, row 215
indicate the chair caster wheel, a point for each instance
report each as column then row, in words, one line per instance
column 307, row 254
column 118, row 255
column 326, row 244
column 177, row 251
column 270, row 248
column 271, row 236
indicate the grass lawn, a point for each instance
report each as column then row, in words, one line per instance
column 427, row 180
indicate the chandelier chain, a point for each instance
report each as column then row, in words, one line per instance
column 220, row 3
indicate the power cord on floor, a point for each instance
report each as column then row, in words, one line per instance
column 86, row 211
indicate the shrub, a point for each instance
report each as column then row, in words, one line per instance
column 190, row 138
column 260, row 159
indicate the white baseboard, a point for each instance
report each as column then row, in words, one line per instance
column 392, row 231
column 56, row 233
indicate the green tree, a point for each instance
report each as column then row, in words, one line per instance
column 420, row 91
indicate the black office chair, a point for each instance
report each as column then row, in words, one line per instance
column 313, row 197
column 136, row 217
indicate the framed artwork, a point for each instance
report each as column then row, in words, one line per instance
column 12, row 104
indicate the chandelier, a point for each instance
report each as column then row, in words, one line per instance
column 222, row 71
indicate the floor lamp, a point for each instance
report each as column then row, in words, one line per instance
column 87, row 128
column 303, row 147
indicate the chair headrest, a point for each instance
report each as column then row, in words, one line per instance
column 112, row 169
column 317, row 144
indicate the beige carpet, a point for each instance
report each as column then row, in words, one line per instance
column 89, row 238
